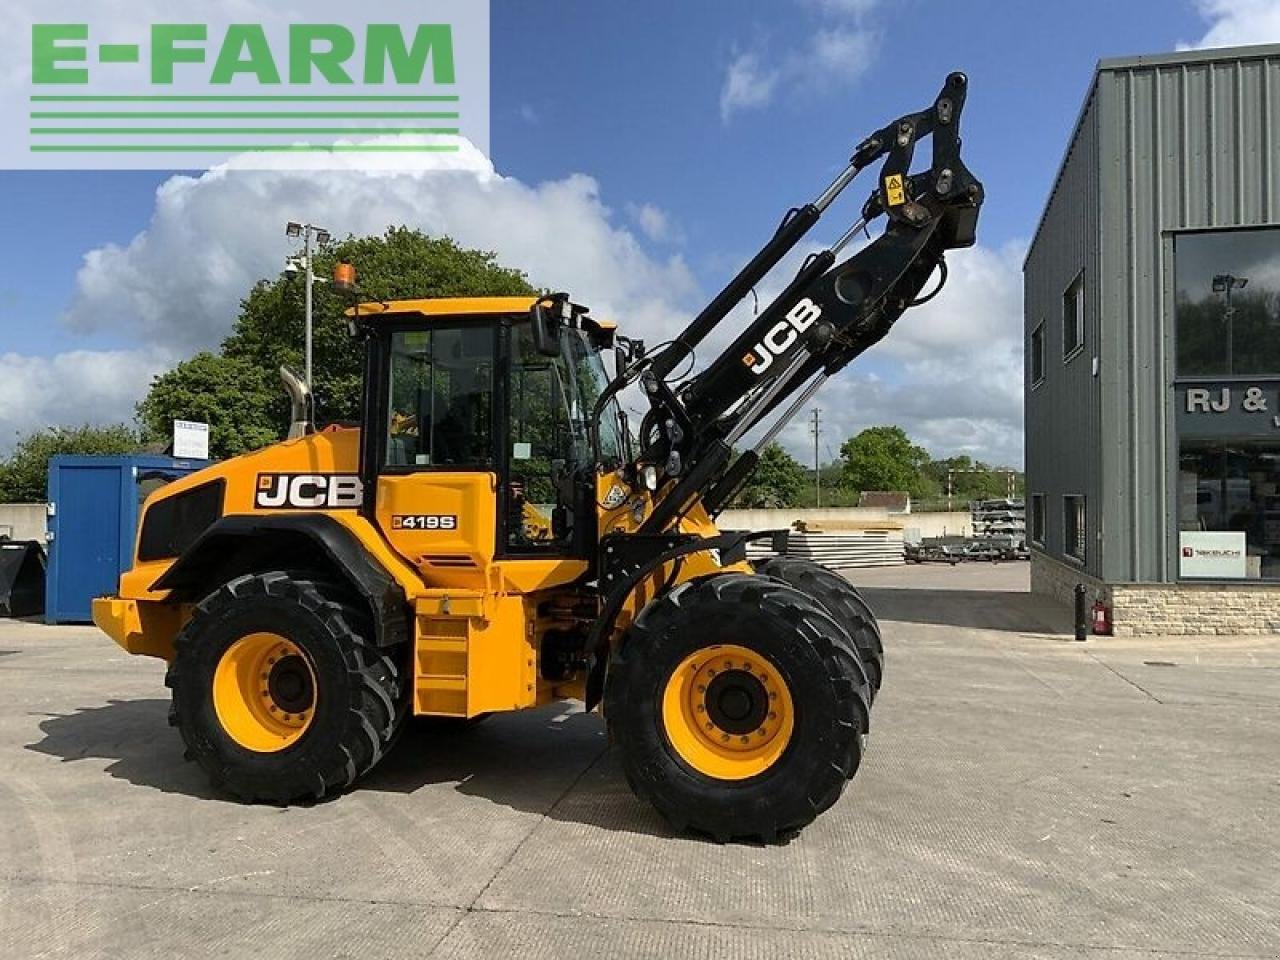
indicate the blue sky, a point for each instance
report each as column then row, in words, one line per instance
column 697, row 125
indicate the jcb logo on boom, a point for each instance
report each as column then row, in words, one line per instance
column 782, row 335
column 308, row 491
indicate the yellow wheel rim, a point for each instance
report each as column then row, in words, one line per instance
column 727, row 712
column 264, row 692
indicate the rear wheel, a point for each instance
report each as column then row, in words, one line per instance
column 841, row 599
column 279, row 693
column 732, row 709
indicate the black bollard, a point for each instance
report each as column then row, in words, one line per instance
column 1082, row 612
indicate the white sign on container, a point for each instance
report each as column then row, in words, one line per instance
column 190, row 440
column 1217, row 554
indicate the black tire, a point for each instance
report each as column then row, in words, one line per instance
column 841, row 599
column 798, row 639
column 359, row 698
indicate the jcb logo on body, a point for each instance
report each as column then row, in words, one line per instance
column 308, row 491
column 782, row 335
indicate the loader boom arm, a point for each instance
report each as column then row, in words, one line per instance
column 831, row 312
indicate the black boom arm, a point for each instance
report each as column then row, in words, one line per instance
column 828, row 314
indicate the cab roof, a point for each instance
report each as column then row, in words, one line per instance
column 448, row 306
column 454, row 307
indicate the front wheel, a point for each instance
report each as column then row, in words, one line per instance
column 278, row 692
column 733, row 710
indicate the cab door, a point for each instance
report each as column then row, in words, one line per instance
column 435, row 455
column 544, row 524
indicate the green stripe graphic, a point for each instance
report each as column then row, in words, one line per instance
column 264, row 98
column 241, row 148
column 235, row 115
column 220, row 131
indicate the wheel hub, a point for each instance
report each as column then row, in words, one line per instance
column 737, row 702
column 264, row 692
column 727, row 712
column 289, row 684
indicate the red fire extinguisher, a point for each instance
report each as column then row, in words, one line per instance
column 1101, row 620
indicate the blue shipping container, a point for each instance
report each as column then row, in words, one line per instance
column 94, row 504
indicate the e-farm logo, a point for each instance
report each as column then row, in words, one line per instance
column 187, row 94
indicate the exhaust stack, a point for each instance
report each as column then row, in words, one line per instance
column 302, row 404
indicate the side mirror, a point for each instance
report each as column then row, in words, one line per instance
column 544, row 323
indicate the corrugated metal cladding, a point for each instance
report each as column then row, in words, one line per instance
column 1182, row 141
column 1063, row 410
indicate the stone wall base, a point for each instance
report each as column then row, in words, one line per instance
column 1139, row 609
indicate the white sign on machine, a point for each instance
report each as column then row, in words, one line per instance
column 1216, row 554
column 190, row 440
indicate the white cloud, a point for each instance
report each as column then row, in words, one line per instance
column 747, row 84
column 838, row 51
column 841, row 53
column 653, row 222
column 80, row 386
column 179, row 282
column 1236, row 23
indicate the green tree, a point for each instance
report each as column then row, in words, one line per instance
column 24, row 474
column 779, row 480
column 970, row 479
column 244, row 404
column 884, row 458
column 238, row 389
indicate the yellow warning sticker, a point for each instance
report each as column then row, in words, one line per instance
column 895, row 193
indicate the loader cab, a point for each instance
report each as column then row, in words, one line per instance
column 476, row 440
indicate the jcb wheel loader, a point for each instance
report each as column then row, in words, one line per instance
column 492, row 538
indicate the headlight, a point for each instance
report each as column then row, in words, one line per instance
column 649, row 477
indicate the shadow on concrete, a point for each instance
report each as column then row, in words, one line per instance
column 552, row 761
column 1004, row 611
column 8, row 653
column 135, row 736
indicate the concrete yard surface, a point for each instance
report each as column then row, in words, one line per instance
column 1023, row 796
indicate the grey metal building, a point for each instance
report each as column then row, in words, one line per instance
column 1152, row 329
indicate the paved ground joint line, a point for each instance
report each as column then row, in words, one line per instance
column 515, row 851
column 874, row 934
column 1133, row 683
column 203, row 890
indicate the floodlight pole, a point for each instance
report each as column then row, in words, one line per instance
column 311, row 276
column 306, row 231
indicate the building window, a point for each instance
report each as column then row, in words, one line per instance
column 1227, row 306
column 1037, row 518
column 1073, row 318
column 1037, row 355
column 1073, row 526
column 1229, row 509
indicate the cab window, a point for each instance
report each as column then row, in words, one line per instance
column 544, row 445
column 441, row 398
